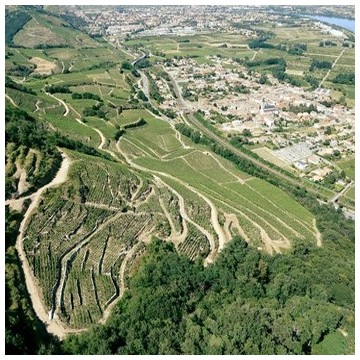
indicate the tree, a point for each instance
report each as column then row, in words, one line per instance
column 246, row 132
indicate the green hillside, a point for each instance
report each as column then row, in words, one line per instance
column 136, row 239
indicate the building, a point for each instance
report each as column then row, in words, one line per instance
column 314, row 159
column 300, row 165
column 266, row 107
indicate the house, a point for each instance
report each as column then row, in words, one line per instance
column 300, row 165
column 314, row 159
column 269, row 122
column 316, row 178
column 266, row 107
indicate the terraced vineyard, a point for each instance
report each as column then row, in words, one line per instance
column 79, row 237
column 87, row 235
column 265, row 215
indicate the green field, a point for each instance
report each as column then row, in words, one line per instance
column 348, row 166
column 221, row 183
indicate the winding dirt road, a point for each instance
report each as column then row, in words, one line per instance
column 67, row 110
column 53, row 327
column 11, row 100
column 128, row 256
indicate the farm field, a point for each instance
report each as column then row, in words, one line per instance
column 348, row 166
column 351, row 193
column 267, row 155
column 203, row 173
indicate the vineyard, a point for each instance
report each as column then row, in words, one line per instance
column 263, row 214
column 80, row 235
column 87, row 236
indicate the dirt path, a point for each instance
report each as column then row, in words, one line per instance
column 23, row 184
column 102, row 206
column 168, row 217
column 38, row 102
column 183, row 213
column 68, row 255
column 11, row 100
column 34, row 290
column 138, row 189
column 178, row 237
column 286, row 212
column 318, row 234
column 222, row 237
column 333, row 65
column 67, row 110
column 241, row 181
column 128, row 256
column 255, row 53
column 268, row 242
column 178, row 136
column 232, row 220
column 102, row 140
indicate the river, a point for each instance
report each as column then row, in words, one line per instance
column 344, row 23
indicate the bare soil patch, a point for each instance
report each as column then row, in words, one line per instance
column 43, row 67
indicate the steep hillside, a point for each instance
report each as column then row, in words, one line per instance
column 97, row 178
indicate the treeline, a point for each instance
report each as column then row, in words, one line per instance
column 21, row 70
column 102, row 65
column 139, row 123
column 344, row 78
column 327, row 43
column 242, row 163
column 13, row 85
column 277, row 67
column 300, row 193
column 61, row 89
column 74, row 22
column 294, row 49
column 143, row 63
column 260, row 43
column 86, row 95
column 23, row 129
column 14, row 22
column 241, row 89
column 154, row 90
column 51, row 46
column 95, row 110
column 297, row 49
column 319, row 64
column 302, row 108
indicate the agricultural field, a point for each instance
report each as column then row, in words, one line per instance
column 222, row 186
column 266, row 154
column 348, row 166
column 86, row 227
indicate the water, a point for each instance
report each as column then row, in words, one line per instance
column 344, row 23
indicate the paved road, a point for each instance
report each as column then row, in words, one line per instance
column 349, row 214
column 342, row 192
